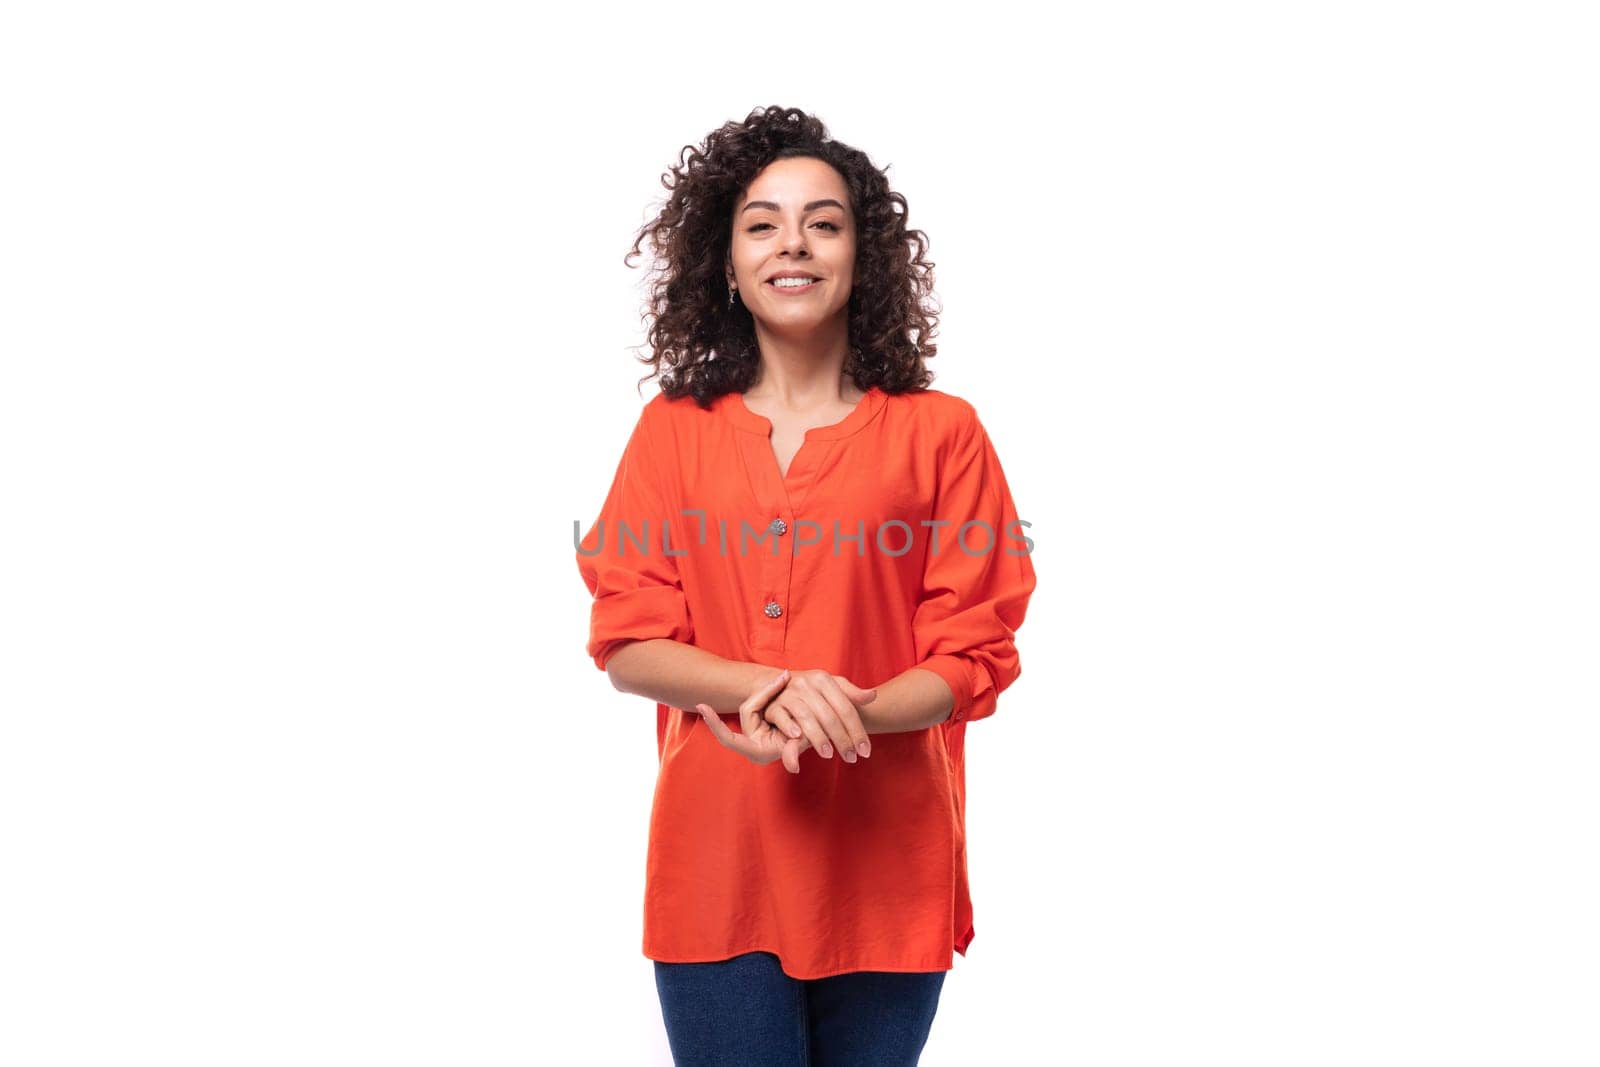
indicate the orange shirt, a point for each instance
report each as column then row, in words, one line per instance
column 842, row 867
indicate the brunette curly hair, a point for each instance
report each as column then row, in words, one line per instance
column 703, row 345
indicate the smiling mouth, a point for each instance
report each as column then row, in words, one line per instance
column 793, row 285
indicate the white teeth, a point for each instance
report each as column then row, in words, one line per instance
column 792, row 283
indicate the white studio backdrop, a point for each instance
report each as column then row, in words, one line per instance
column 316, row 342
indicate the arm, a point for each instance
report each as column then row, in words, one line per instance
column 681, row 676
column 972, row 602
column 640, row 630
column 970, row 605
column 912, row 700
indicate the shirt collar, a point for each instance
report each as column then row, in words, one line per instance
column 734, row 408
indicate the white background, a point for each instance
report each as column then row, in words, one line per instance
column 316, row 340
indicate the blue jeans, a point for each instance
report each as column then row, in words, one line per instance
column 745, row 1012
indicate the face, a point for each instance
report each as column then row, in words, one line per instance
column 794, row 217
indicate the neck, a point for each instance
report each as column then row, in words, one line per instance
column 803, row 372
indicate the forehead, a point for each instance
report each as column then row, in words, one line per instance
column 793, row 182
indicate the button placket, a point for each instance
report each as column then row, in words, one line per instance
column 777, row 528
column 794, row 491
column 784, row 495
column 773, row 565
column 779, row 569
column 779, row 496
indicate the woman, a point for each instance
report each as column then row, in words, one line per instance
column 804, row 538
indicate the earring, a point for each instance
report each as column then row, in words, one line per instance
column 733, row 293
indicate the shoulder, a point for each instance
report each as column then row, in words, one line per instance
column 938, row 406
column 943, row 416
column 664, row 410
column 673, row 424
column 660, row 413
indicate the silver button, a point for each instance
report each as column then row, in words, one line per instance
column 779, row 527
column 773, row 610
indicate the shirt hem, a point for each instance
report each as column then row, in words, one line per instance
column 829, row 972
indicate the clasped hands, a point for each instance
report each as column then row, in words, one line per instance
column 795, row 711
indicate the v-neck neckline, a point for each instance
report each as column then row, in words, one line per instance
column 738, row 412
column 735, row 408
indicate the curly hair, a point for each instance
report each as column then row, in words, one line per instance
column 703, row 345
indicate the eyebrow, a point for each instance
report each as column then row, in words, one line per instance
column 770, row 206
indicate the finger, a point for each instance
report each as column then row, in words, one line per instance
column 842, row 722
column 845, row 697
column 753, row 721
column 833, row 712
column 767, row 739
column 857, row 695
column 719, row 729
column 779, row 716
column 808, row 716
column 855, row 741
column 855, row 734
column 795, row 748
column 761, row 696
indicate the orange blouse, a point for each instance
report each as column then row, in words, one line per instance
column 849, row 563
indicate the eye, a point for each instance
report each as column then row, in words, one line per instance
column 823, row 222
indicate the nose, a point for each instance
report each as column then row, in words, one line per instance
column 795, row 245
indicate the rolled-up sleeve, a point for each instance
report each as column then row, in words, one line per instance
column 638, row 594
column 973, row 602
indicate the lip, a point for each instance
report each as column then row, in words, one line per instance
column 783, row 290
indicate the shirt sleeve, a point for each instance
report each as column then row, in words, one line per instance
column 638, row 594
column 972, row 602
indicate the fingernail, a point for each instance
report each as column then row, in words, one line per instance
column 865, row 748
column 827, row 750
column 794, row 731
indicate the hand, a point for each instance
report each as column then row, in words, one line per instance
column 822, row 708
column 761, row 743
